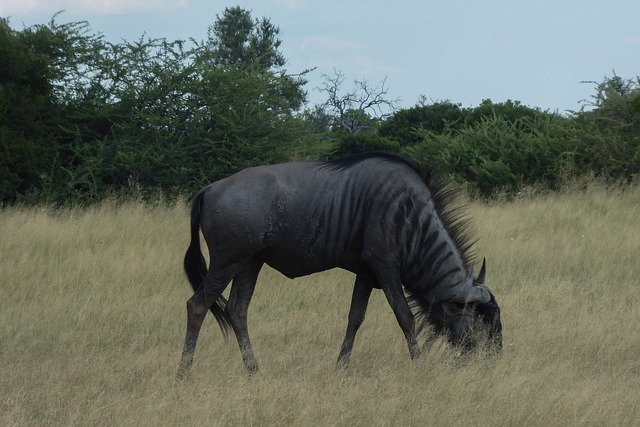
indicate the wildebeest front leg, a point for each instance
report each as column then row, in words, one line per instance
column 212, row 287
column 241, row 292
column 359, row 301
column 392, row 287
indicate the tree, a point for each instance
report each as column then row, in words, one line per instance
column 361, row 109
column 611, row 139
column 237, row 38
column 27, row 108
column 616, row 103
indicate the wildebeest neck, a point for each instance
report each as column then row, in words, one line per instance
column 433, row 265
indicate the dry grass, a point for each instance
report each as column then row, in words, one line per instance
column 92, row 316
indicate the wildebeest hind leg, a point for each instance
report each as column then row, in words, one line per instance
column 212, row 287
column 359, row 301
column 241, row 292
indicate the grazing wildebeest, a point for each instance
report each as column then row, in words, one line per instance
column 375, row 215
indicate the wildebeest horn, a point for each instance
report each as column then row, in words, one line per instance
column 483, row 271
column 471, row 294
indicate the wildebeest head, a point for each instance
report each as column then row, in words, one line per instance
column 471, row 317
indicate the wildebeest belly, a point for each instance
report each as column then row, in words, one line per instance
column 294, row 263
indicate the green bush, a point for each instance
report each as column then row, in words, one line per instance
column 405, row 124
column 496, row 154
column 510, row 111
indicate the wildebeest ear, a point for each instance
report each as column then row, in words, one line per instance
column 471, row 294
column 483, row 272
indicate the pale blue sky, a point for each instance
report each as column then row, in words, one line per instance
column 533, row 51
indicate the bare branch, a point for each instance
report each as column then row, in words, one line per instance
column 358, row 109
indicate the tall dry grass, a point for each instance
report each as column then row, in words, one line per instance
column 92, row 316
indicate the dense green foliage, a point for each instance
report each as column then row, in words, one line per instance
column 27, row 108
column 81, row 118
column 504, row 146
column 497, row 154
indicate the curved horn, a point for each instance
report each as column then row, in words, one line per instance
column 471, row 294
column 483, row 271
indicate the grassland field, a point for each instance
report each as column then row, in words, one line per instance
column 92, row 318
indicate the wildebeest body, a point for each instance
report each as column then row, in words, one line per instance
column 305, row 220
column 373, row 215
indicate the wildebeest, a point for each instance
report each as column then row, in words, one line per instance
column 375, row 215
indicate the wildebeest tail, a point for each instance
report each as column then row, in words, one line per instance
column 196, row 268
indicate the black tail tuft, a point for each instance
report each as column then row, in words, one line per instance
column 196, row 268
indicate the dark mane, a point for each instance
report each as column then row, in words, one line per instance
column 445, row 195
